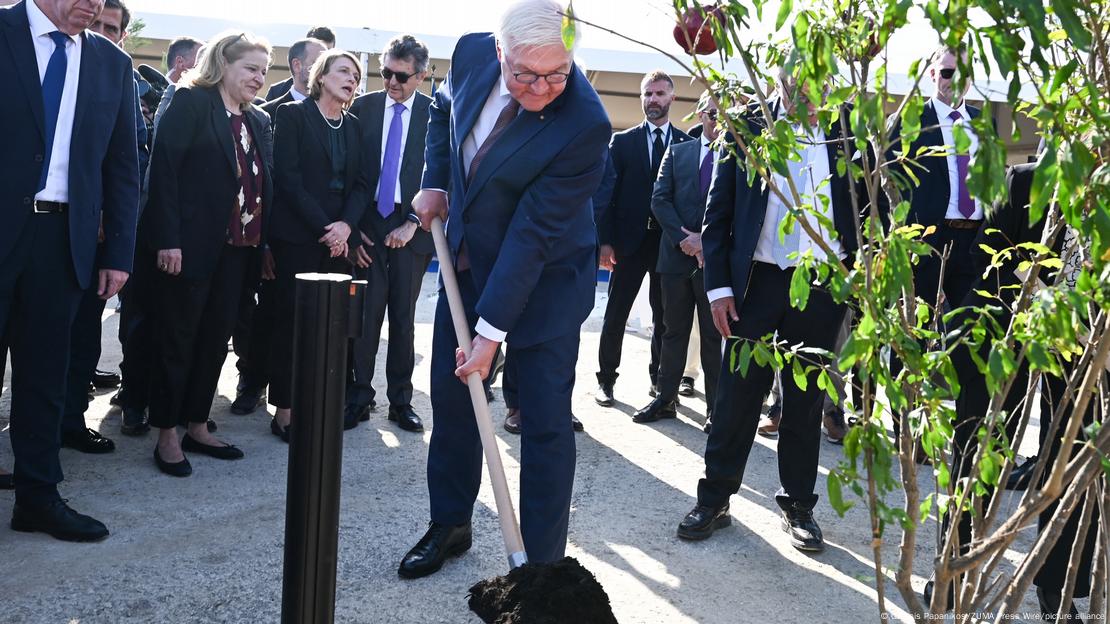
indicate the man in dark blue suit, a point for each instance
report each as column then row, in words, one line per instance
column 516, row 138
column 69, row 163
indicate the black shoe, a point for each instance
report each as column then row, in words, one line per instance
column 686, row 386
column 353, row 415
column 804, row 533
column 604, row 394
column 88, row 441
column 512, row 421
column 247, row 400
column 1020, row 475
column 576, row 424
column 279, row 432
column 440, row 542
column 7, row 481
column 656, row 410
column 405, row 418
column 927, row 593
column 1050, row 606
column 178, row 469
column 134, row 422
column 59, row 521
column 117, row 399
column 708, row 426
column 227, row 451
column 104, row 380
column 702, row 521
column 211, row 426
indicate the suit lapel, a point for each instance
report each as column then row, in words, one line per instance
column 18, row 34
column 373, row 124
column 221, row 127
column 418, row 117
column 519, row 132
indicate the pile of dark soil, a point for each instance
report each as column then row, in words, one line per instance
column 556, row 593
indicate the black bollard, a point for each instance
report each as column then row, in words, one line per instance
column 325, row 304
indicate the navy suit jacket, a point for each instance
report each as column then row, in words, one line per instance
column 735, row 212
column 527, row 217
column 625, row 209
column 103, row 161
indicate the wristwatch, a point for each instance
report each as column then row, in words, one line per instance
column 412, row 217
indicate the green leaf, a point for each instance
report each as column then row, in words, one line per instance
column 1070, row 20
column 570, row 28
column 784, row 12
column 745, row 358
column 798, row 372
column 836, row 494
column 799, row 287
column 925, row 507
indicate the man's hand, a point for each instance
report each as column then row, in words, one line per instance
column 169, row 261
column 339, row 250
column 110, row 282
column 267, row 264
column 482, row 351
column 335, row 237
column 401, row 236
column 427, row 204
column 724, row 312
column 691, row 245
column 360, row 256
column 607, row 258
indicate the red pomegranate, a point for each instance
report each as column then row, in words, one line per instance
column 697, row 28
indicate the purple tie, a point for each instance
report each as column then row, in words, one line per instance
column 391, row 164
column 706, row 173
column 966, row 206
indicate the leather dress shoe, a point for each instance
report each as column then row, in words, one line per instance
column 104, row 380
column 686, row 387
column 930, row 586
column 440, row 542
column 490, row 398
column 512, row 421
column 1021, row 475
column 702, row 521
column 134, row 422
column 656, row 410
column 353, row 415
column 604, row 394
column 227, row 451
column 405, row 418
column 88, row 441
column 175, row 469
column 247, row 400
column 798, row 523
column 280, row 432
column 58, row 520
column 576, row 424
column 7, row 481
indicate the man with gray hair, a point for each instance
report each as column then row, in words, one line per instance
column 392, row 250
column 531, row 132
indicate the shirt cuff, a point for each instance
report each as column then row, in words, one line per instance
column 489, row 332
column 718, row 293
column 439, row 190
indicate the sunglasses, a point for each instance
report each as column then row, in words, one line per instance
column 712, row 114
column 947, row 73
column 401, row 77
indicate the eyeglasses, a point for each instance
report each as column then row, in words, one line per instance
column 531, row 77
column 711, row 113
column 947, row 73
column 401, row 77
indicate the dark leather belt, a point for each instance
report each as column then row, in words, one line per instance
column 963, row 224
column 49, row 207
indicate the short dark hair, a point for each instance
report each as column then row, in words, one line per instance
column 299, row 50
column 180, row 47
column 407, row 47
column 323, row 33
column 126, row 20
column 656, row 75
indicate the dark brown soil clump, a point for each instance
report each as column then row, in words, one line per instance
column 557, row 593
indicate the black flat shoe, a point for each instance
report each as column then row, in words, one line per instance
column 58, row 520
column 440, row 542
column 406, row 418
column 104, row 380
column 178, row 469
column 88, row 441
column 702, row 521
column 804, row 533
column 277, row 430
column 247, row 400
column 134, row 422
column 226, row 451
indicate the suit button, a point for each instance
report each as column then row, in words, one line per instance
column 38, row 158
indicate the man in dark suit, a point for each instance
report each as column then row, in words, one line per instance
column 531, row 132
column 748, row 269
column 678, row 204
column 324, row 35
column 629, row 233
column 394, row 122
column 69, row 164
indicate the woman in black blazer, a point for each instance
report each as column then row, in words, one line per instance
column 320, row 193
column 210, row 192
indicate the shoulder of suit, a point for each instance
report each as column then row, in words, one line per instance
column 620, row 134
column 678, row 136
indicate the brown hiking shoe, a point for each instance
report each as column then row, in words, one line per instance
column 769, row 425
column 835, row 429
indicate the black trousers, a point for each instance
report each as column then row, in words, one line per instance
column 194, row 319
column 137, row 333
column 394, row 280
column 254, row 329
column 764, row 310
column 683, row 295
column 84, row 353
column 290, row 259
column 624, row 284
column 959, row 270
column 39, row 295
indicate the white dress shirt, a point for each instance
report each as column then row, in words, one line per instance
column 406, row 115
column 666, row 136
column 297, row 95
column 57, row 178
column 813, row 180
column 946, row 123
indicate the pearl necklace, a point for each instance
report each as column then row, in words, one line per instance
column 328, row 121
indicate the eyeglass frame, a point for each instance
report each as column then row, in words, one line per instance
column 396, row 74
column 547, row 77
